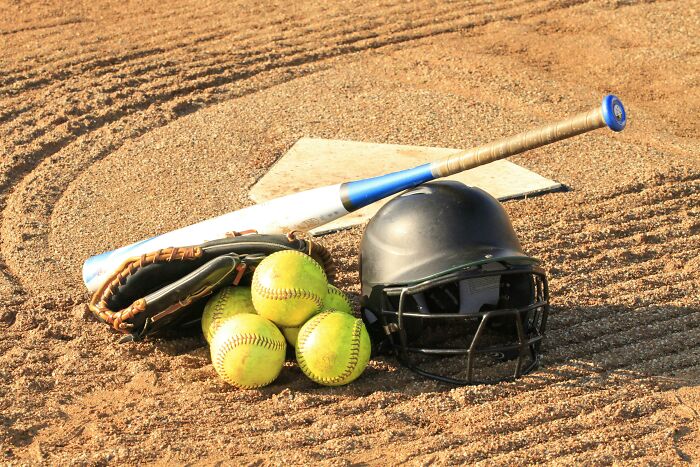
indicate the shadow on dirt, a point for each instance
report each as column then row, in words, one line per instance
column 656, row 344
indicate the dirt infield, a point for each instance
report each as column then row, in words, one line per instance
column 120, row 120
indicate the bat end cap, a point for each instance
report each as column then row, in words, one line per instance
column 614, row 113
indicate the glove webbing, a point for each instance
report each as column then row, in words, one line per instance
column 99, row 300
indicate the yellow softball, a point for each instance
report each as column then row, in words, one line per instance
column 291, row 335
column 288, row 288
column 336, row 300
column 248, row 351
column 227, row 302
column 333, row 348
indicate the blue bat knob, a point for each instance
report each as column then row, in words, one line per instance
column 614, row 113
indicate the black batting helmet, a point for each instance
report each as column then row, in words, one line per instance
column 447, row 286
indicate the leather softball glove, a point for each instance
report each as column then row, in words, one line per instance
column 164, row 290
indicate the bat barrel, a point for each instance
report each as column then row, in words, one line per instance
column 611, row 114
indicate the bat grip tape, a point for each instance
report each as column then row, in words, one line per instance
column 611, row 113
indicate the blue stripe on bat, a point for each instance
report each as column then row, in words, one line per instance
column 360, row 193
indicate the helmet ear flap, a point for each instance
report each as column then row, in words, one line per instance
column 413, row 327
column 385, row 333
column 517, row 291
column 377, row 337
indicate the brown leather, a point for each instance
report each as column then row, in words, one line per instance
column 98, row 302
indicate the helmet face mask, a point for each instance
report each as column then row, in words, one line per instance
column 430, row 332
column 477, row 312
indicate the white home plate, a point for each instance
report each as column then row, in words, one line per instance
column 314, row 162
